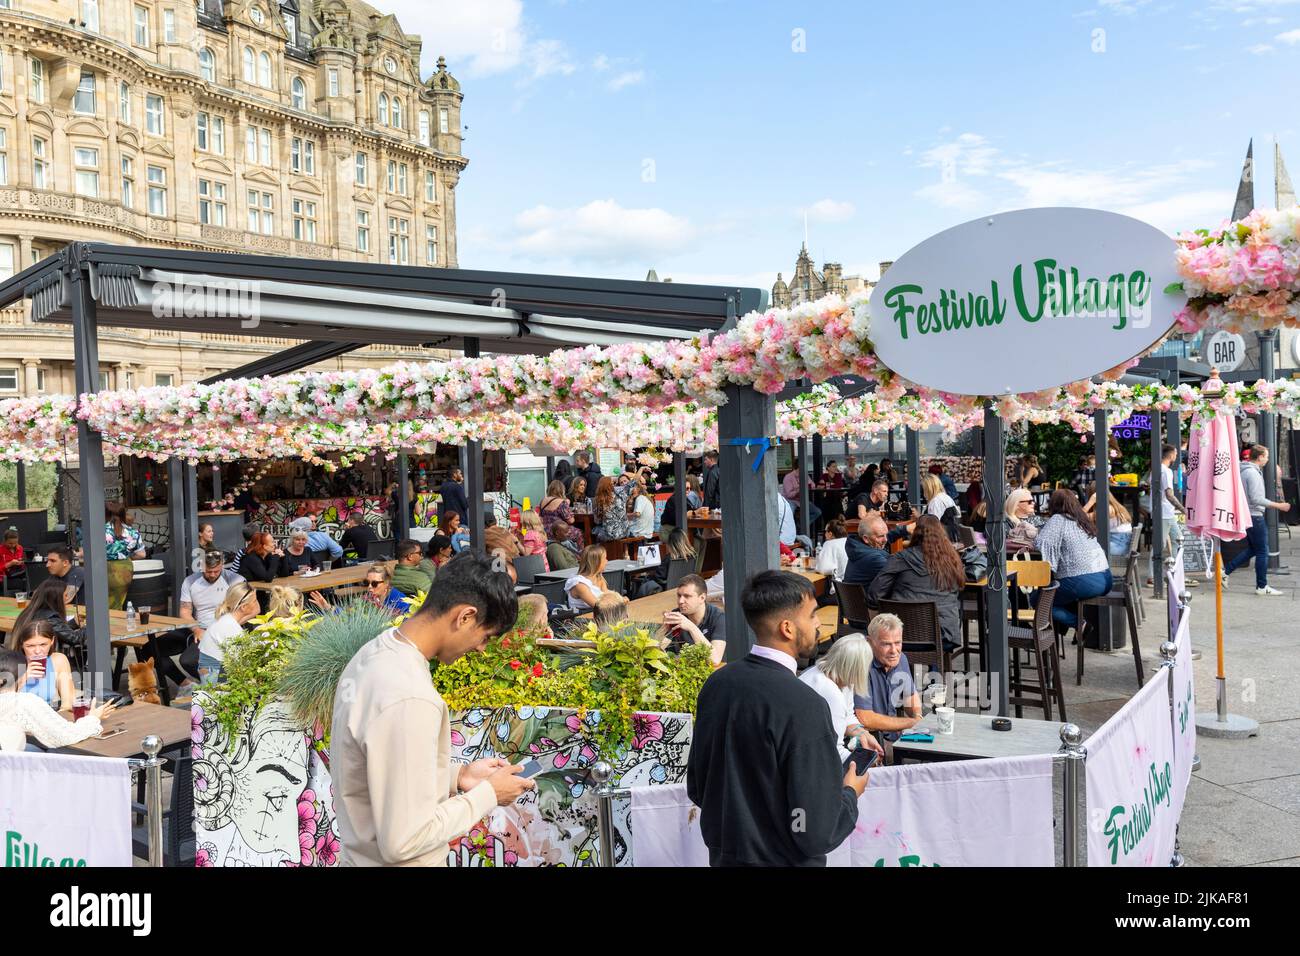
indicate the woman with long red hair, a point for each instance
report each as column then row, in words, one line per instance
column 928, row 569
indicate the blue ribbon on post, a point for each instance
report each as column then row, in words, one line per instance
column 763, row 445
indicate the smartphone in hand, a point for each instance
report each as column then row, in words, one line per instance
column 861, row 760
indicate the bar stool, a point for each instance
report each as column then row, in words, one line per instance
column 1039, row 642
column 1127, row 596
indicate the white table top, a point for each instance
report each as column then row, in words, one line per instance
column 973, row 736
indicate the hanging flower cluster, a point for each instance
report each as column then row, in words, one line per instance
column 1243, row 275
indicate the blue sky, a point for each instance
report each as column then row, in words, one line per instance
column 608, row 137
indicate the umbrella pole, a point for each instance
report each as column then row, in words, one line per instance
column 1221, row 682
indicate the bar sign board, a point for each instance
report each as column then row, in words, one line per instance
column 1225, row 351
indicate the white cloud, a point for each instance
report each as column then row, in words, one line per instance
column 1122, row 6
column 1256, row 21
column 601, row 232
column 1189, row 210
column 1291, row 37
column 1259, row 49
column 479, row 38
column 601, row 63
column 829, row 210
column 631, row 78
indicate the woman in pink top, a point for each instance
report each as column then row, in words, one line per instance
column 533, row 535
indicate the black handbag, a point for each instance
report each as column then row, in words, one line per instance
column 976, row 564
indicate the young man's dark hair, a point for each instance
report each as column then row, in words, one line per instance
column 694, row 580
column 468, row 578
column 1167, row 450
column 249, row 530
column 406, row 548
column 770, row 592
column 489, row 519
column 62, row 552
column 212, row 559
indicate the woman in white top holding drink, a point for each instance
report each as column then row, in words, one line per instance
column 585, row 588
column 238, row 607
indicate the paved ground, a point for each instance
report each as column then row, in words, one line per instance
column 1243, row 808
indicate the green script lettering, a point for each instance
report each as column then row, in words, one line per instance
column 894, row 300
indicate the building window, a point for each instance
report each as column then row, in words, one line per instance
column 83, row 101
column 38, row 81
column 250, row 76
column 304, row 220
column 399, row 241
column 124, row 103
column 4, row 156
column 302, row 156
column 212, row 203
column 363, row 232
column 443, row 126
column 162, row 379
column 169, row 26
column 424, row 127
column 430, row 186
column 129, row 382
column 207, row 65
column 8, row 379
column 299, row 94
column 157, row 177
column 431, row 245
column 128, row 182
column 333, row 79
column 253, row 139
column 261, row 212
column 86, row 163
column 363, row 169
column 397, row 113
column 153, row 114
column 383, row 109
column 103, row 380
column 264, row 142
column 42, row 172
column 141, row 22
column 40, row 380
column 90, row 14
column 211, row 134
column 291, row 28
column 397, row 177
column 264, row 70
column 6, row 261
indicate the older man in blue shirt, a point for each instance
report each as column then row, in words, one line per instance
column 892, row 704
column 317, row 540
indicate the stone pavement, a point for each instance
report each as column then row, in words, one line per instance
column 1243, row 808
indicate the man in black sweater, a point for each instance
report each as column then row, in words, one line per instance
column 452, row 496
column 711, row 486
column 357, row 536
column 763, row 766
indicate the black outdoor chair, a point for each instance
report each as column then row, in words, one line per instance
column 678, row 568
column 380, row 550
column 1038, row 641
column 922, row 636
column 855, row 614
column 528, row 566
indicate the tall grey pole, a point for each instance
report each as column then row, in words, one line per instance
column 90, row 454
column 474, row 470
column 550, row 469
column 998, row 652
column 1268, row 438
column 818, row 462
column 191, row 506
column 914, row 468
column 752, row 536
column 801, row 467
column 679, row 490
column 180, row 553
column 1157, row 510
column 402, row 529
column 1101, row 480
column 21, row 479
column 891, row 445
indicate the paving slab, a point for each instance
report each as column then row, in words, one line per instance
column 1221, row 827
column 1280, row 792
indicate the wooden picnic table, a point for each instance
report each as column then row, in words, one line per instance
column 333, row 578
column 170, row 724
column 134, row 637
column 652, row 608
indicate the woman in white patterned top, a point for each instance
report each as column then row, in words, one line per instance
column 29, row 714
column 1068, row 542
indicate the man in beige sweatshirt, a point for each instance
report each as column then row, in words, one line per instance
column 398, row 797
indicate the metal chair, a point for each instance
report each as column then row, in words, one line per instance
column 922, row 636
column 966, row 535
column 1124, row 595
column 855, row 613
column 528, row 566
column 678, row 568
column 553, row 591
column 1131, row 570
column 1039, row 642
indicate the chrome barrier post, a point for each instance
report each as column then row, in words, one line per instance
column 1075, row 755
column 601, row 772
column 152, row 746
column 1169, row 656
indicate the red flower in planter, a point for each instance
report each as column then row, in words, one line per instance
column 537, row 669
column 515, row 665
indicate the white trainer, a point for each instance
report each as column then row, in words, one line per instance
column 1266, row 590
column 1225, row 580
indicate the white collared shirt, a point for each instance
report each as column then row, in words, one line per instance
column 779, row 657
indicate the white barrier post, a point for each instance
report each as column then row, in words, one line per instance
column 1169, row 653
column 1074, row 754
column 152, row 746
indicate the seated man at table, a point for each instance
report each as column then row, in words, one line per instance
column 875, row 501
column 60, row 564
column 318, row 540
column 414, row 572
column 695, row 621
column 357, row 536
column 892, row 705
column 868, row 550
column 201, row 595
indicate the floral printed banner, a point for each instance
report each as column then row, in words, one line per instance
column 263, row 797
column 330, row 513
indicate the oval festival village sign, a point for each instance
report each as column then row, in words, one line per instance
column 1025, row 300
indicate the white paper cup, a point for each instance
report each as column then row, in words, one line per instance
column 947, row 718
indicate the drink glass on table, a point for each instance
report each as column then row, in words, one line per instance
column 80, row 707
column 143, row 611
column 21, row 599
